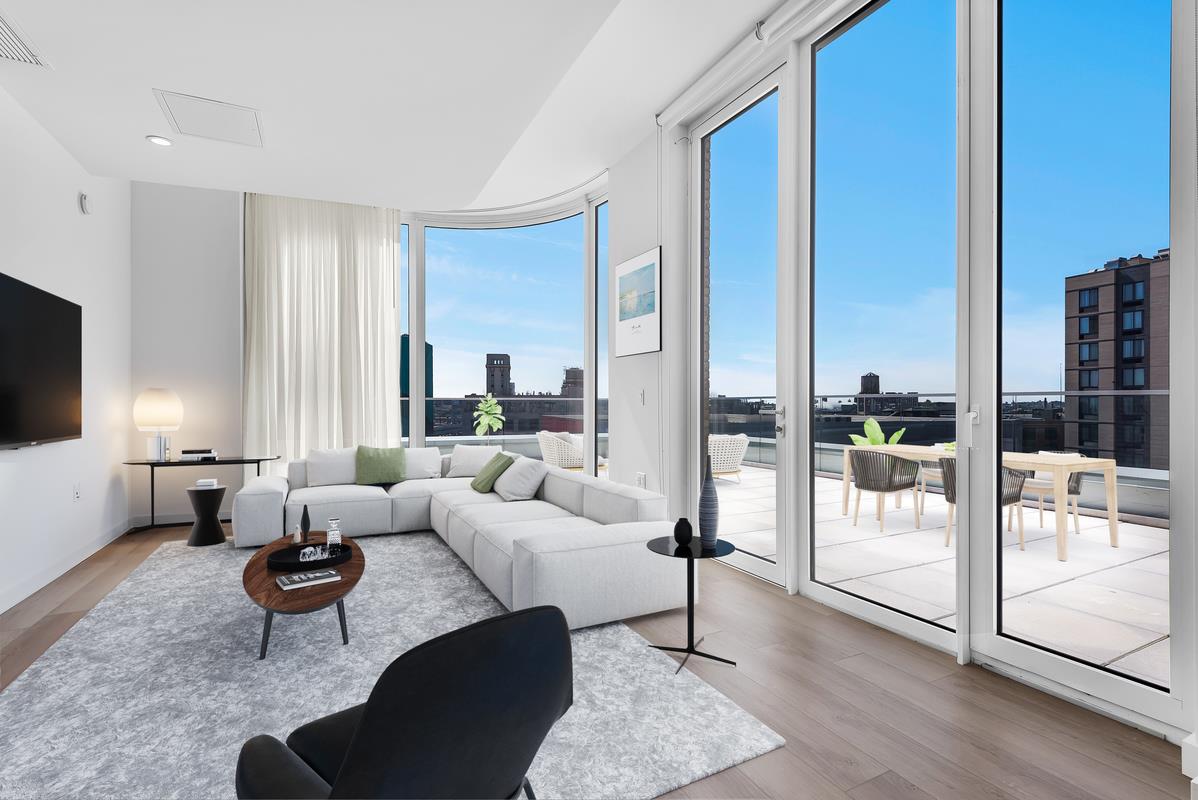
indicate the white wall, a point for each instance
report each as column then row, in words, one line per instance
column 634, row 430
column 650, row 405
column 187, row 333
column 47, row 242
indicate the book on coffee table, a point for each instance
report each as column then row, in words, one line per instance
column 298, row 580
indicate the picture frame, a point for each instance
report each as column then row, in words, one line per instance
column 636, row 314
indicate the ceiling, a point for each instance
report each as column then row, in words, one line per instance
column 418, row 105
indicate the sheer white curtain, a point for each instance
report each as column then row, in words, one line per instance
column 321, row 326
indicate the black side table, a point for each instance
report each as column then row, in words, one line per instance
column 666, row 546
column 205, row 500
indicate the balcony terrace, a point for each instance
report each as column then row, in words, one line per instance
column 1107, row 606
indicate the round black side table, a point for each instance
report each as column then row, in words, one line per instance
column 694, row 550
column 205, row 501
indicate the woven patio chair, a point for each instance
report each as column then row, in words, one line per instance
column 883, row 474
column 727, row 452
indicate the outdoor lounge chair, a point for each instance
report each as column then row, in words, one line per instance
column 727, row 452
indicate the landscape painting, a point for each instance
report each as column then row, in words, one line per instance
column 638, row 292
column 637, row 310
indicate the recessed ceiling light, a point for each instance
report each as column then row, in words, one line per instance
column 161, row 141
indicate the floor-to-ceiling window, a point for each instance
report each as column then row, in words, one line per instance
column 405, row 352
column 503, row 316
column 602, row 300
column 884, row 308
column 1085, row 311
column 740, row 297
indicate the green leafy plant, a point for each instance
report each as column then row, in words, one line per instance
column 488, row 416
column 874, row 436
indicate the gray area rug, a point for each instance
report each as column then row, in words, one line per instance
column 153, row 692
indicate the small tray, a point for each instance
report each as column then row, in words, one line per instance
column 288, row 558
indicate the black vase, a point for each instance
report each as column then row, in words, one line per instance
column 709, row 510
column 305, row 523
column 682, row 531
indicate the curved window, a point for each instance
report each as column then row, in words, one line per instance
column 503, row 316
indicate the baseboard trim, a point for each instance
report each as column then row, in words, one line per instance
column 22, row 589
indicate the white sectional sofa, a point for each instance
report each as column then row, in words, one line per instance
column 579, row 544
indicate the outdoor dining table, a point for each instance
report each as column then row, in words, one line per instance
column 1060, row 465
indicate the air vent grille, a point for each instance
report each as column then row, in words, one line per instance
column 14, row 47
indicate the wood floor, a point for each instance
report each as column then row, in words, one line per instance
column 866, row 714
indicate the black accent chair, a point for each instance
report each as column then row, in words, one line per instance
column 462, row 715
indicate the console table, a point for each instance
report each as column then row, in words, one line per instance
column 216, row 462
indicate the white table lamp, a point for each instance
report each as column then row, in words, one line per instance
column 157, row 410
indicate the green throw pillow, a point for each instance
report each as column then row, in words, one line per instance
column 485, row 480
column 380, row 465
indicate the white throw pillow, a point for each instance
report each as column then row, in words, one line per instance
column 333, row 467
column 468, row 460
column 521, row 480
column 421, row 463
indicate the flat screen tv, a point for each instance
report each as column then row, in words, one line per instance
column 41, row 358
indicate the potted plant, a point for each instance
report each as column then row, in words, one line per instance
column 488, row 416
column 874, row 436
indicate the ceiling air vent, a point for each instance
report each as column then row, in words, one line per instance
column 210, row 119
column 16, row 47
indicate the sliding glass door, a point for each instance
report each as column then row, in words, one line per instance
column 1085, row 273
column 883, row 302
column 742, row 415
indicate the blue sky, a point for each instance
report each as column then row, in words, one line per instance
column 1085, row 180
column 510, row 290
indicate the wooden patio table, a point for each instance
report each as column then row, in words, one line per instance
column 1060, row 465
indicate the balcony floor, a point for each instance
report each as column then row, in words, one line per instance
column 1105, row 605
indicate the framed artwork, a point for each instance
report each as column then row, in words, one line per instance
column 637, row 310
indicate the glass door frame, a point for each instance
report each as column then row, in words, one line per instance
column 1171, row 712
column 785, row 445
column 802, row 68
column 789, row 44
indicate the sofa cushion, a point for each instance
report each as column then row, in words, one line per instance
column 493, row 549
column 421, row 463
column 485, row 480
column 467, row 460
column 411, row 500
column 463, row 522
column 331, row 467
column 564, row 488
column 443, row 502
column 363, row 509
column 609, row 503
column 521, row 480
column 375, row 466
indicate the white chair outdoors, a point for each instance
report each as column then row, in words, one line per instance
column 727, row 452
column 560, row 449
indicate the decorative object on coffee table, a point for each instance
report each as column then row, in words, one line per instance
column 305, row 523
column 205, row 501
column 261, row 586
column 709, row 509
column 666, row 546
column 682, row 531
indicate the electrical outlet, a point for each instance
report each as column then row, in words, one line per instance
column 75, row 493
column 641, row 480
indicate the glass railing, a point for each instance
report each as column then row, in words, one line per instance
column 450, row 420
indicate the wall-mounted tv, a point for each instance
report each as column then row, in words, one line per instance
column 41, row 365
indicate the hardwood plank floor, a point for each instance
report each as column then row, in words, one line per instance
column 866, row 714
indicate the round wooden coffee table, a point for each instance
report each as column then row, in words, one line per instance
column 260, row 585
